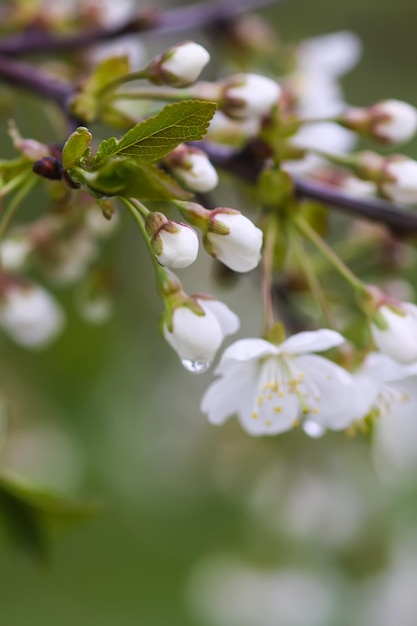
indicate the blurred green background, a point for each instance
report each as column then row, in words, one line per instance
column 205, row 526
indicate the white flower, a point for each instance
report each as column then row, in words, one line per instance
column 249, row 95
column 14, row 252
column 399, row 339
column 30, row 316
column 193, row 169
column 401, row 185
column 395, row 437
column 196, row 338
column 175, row 245
column 271, row 388
column 180, row 66
column 334, row 54
column 393, row 121
column 240, row 247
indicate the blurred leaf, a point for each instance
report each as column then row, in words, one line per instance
column 154, row 138
column 317, row 215
column 13, row 168
column 274, row 187
column 26, row 511
column 86, row 103
column 128, row 178
column 76, row 147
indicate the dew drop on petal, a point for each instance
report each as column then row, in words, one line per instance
column 196, row 367
column 312, row 429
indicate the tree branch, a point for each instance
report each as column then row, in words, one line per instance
column 247, row 165
column 150, row 21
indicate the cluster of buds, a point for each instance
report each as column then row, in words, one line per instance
column 228, row 235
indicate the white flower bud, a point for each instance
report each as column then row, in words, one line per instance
column 196, row 338
column 180, row 66
column 393, row 121
column 234, row 240
column 14, row 253
column 192, row 168
column 400, row 183
column 30, row 316
column 399, row 339
column 175, row 245
column 249, row 95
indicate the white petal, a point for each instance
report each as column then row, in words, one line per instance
column 312, row 341
column 333, row 54
column 194, row 337
column 382, row 367
column 267, row 420
column 245, row 350
column 224, row 397
column 229, row 321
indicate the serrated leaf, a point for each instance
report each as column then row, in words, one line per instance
column 85, row 103
column 76, row 146
column 135, row 179
column 154, row 138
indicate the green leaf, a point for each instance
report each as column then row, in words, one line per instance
column 76, row 147
column 86, row 103
column 154, row 138
column 134, row 179
column 26, row 512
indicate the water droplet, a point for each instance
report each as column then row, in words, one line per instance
column 312, row 429
column 196, row 367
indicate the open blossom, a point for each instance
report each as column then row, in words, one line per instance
column 395, row 402
column 398, row 339
column 30, row 316
column 273, row 388
column 197, row 337
column 234, row 240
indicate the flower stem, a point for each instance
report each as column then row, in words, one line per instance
column 311, row 277
column 13, row 205
column 327, row 251
column 139, row 212
column 150, row 93
column 267, row 272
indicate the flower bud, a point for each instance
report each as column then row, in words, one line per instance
column 394, row 331
column 399, row 181
column 179, row 66
column 234, row 240
column 197, row 329
column 389, row 121
column 29, row 315
column 249, row 95
column 192, row 168
column 175, row 245
column 14, row 252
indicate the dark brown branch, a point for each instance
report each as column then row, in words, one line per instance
column 24, row 75
column 150, row 21
column 247, row 165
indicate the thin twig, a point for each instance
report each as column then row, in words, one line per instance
column 246, row 165
column 151, row 21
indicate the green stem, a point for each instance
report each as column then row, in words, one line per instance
column 150, row 93
column 311, row 277
column 267, row 272
column 126, row 78
column 138, row 212
column 13, row 205
column 327, row 251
